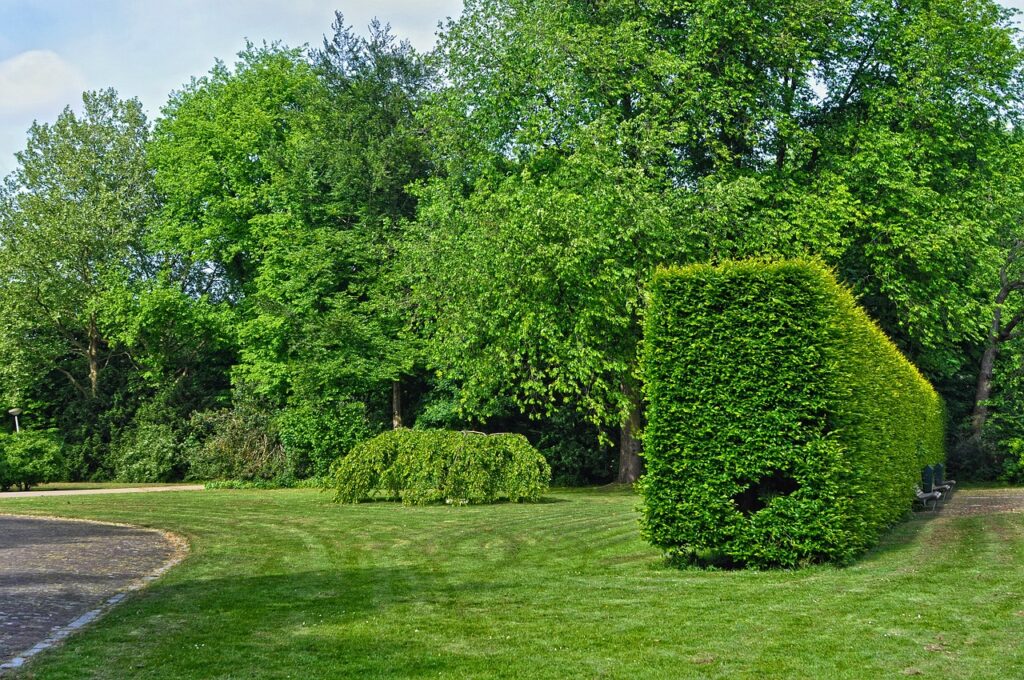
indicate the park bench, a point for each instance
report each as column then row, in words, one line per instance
column 933, row 487
column 941, row 483
column 923, row 497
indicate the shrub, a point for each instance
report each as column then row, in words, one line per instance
column 29, row 458
column 149, row 448
column 783, row 426
column 1013, row 462
column 980, row 459
column 574, row 449
column 426, row 466
column 316, row 436
column 148, row 452
column 241, row 443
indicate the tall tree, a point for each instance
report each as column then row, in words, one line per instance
column 584, row 143
column 72, row 219
column 284, row 179
column 997, row 384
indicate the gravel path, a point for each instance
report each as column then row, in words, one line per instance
column 57, row 575
column 984, row 502
column 89, row 492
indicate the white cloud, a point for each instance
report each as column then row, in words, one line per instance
column 35, row 81
column 147, row 48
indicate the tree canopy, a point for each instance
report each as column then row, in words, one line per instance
column 312, row 245
column 585, row 143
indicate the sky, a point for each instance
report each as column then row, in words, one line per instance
column 52, row 50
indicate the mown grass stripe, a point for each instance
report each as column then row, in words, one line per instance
column 552, row 590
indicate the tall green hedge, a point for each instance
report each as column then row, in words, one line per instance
column 783, row 426
column 428, row 466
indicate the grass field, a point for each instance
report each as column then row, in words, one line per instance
column 285, row 584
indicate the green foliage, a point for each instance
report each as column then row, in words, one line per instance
column 554, row 205
column 783, row 426
column 583, row 144
column 72, row 225
column 979, row 459
column 150, row 446
column 284, row 182
column 1013, row 462
column 240, row 443
column 573, row 449
column 571, row 445
column 72, row 217
column 427, row 466
column 179, row 339
column 30, row 458
column 322, row 224
column 314, row 436
column 147, row 452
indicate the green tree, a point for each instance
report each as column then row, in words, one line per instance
column 283, row 181
column 72, row 220
column 369, row 149
column 582, row 143
column 997, row 391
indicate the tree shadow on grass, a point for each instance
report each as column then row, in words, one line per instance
column 394, row 500
column 547, row 500
column 348, row 622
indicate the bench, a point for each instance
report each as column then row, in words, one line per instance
column 933, row 487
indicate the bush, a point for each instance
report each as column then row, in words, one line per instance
column 29, row 458
column 149, row 452
column 149, row 448
column 316, row 436
column 979, row 459
column 783, row 426
column 426, row 466
column 1013, row 462
column 241, row 443
column 574, row 449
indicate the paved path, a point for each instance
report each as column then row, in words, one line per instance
column 984, row 502
column 57, row 575
column 88, row 492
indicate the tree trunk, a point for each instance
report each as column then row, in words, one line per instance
column 996, row 335
column 94, row 357
column 984, row 389
column 630, row 464
column 396, row 404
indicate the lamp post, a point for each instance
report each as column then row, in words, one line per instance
column 16, row 412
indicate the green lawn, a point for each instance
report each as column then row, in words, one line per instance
column 285, row 584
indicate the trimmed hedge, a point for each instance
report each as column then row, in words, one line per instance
column 784, row 427
column 427, row 466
